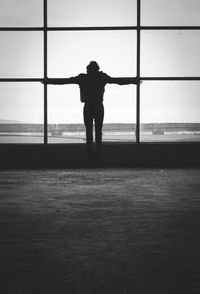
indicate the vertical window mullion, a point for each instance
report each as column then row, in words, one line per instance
column 45, row 74
column 138, row 72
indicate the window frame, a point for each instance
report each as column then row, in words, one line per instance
column 138, row 28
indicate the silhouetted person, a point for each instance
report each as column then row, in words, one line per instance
column 92, row 88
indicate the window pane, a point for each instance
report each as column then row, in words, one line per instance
column 171, row 13
column 170, row 53
column 65, row 114
column 170, row 111
column 91, row 13
column 120, row 113
column 21, row 13
column 70, row 52
column 21, row 54
column 21, row 113
column 65, row 118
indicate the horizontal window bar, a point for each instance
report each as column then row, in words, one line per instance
column 91, row 28
column 21, row 29
column 170, row 78
column 100, row 28
column 21, row 80
column 68, row 28
column 170, row 28
column 141, row 78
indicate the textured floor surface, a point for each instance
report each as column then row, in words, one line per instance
column 100, row 231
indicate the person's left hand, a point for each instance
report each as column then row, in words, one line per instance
column 44, row 81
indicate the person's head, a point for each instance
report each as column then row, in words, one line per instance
column 93, row 68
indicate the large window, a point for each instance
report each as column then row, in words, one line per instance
column 157, row 41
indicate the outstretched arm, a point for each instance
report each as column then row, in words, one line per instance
column 72, row 80
column 123, row 81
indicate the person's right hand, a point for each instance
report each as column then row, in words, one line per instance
column 138, row 81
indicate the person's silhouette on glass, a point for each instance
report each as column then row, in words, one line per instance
column 92, row 88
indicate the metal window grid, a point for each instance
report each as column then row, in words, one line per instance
column 45, row 28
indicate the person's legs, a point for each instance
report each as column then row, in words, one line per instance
column 88, row 121
column 99, row 115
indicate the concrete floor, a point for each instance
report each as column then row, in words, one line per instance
column 100, row 231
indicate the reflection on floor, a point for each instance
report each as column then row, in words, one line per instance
column 100, row 231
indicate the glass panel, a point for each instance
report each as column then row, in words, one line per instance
column 77, row 13
column 65, row 118
column 170, row 111
column 170, row 53
column 70, row 52
column 21, row 13
column 21, row 113
column 170, row 13
column 65, row 113
column 120, row 113
column 21, row 54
